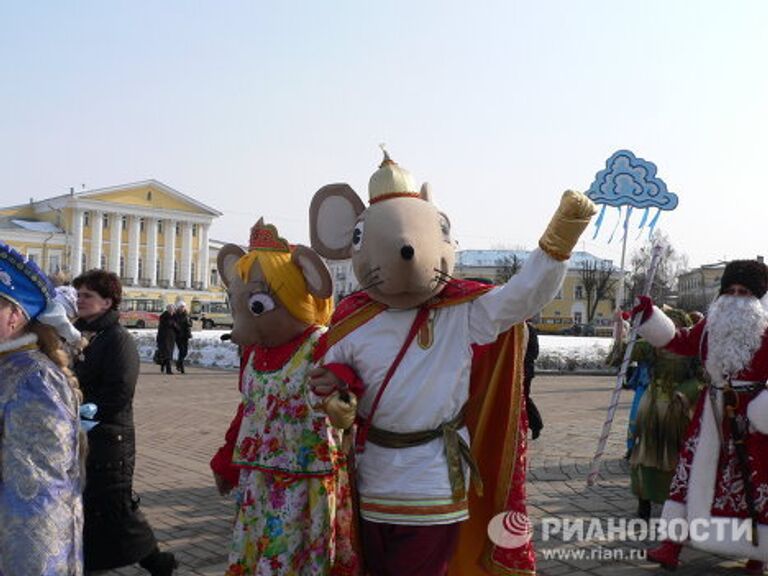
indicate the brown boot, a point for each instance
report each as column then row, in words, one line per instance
column 667, row 554
column 754, row 568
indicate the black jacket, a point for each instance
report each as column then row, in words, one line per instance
column 183, row 325
column 166, row 335
column 116, row 532
column 108, row 374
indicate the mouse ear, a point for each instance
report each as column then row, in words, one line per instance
column 426, row 192
column 333, row 214
column 226, row 260
column 314, row 270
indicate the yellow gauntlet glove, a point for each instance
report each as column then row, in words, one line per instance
column 340, row 413
column 567, row 224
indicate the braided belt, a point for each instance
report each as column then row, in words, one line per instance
column 456, row 450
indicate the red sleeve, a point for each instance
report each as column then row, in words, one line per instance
column 348, row 376
column 687, row 341
column 221, row 463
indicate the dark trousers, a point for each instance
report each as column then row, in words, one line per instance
column 183, row 346
column 399, row 550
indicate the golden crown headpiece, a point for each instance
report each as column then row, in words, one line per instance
column 265, row 237
column 391, row 181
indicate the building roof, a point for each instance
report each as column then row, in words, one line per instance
column 88, row 194
column 31, row 225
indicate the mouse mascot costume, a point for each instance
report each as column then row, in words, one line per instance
column 440, row 361
column 294, row 513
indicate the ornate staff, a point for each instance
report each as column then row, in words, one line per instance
column 627, row 182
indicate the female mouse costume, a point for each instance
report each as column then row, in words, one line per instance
column 428, row 388
column 41, row 514
column 294, row 512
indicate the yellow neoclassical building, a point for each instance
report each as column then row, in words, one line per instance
column 567, row 312
column 154, row 237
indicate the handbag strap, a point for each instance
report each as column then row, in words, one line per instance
column 418, row 322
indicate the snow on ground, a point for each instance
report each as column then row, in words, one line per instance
column 205, row 349
column 559, row 353
column 567, row 353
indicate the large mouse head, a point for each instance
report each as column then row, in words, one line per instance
column 275, row 291
column 401, row 246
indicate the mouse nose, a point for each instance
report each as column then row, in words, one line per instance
column 407, row 252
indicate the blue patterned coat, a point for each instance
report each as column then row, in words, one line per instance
column 41, row 516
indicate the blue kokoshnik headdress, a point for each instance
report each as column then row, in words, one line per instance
column 23, row 283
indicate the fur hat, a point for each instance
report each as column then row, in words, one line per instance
column 749, row 273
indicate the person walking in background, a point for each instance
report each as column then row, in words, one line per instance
column 535, row 423
column 183, row 333
column 116, row 531
column 166, row 338
column 662, row 417
column 41, row 447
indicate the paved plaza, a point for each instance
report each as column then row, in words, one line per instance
column 181, row 420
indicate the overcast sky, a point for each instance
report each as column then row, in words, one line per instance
column 250, row 107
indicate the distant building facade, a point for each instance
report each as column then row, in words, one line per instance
column 567, row 312
column 697, row 288
column 154, row 237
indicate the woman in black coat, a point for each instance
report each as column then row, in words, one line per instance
column 166, row 338
column 183, row 327
column 116, row 533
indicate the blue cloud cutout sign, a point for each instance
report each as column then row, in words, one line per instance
column 631, row 181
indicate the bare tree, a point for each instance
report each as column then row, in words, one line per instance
column 599, row 283
column 671, row 264
column 506, row 267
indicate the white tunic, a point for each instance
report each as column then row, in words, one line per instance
column 429, row 388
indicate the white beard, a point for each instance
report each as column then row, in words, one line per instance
column 735, row 326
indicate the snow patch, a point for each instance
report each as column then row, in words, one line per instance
column 559, row 353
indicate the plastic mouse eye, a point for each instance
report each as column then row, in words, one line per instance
column 445, row 227
column 357, row 236
column 260, row 303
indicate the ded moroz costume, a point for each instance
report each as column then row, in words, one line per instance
column 721, row 479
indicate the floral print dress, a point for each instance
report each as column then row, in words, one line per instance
column 294, row 507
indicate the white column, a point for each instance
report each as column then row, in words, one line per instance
column 97, row 222
column 149, row 264
column 76, row 258
column 134, row 236
column 186, row 254
column 169, row 252
column 115, row 232
column 203, row 257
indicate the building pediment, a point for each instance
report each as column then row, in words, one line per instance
column 147, row 198
column 151, row 195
